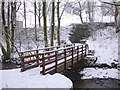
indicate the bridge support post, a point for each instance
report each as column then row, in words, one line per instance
column 56, row 62
column 65, row 58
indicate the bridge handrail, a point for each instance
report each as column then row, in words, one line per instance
column 47, row 48
column 52, row 47
column 47, row 52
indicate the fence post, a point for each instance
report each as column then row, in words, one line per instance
column 55, row 61
column 65, row 58
column 43, row 64
column 37, row 57
column 72, row 56
column 77, row 53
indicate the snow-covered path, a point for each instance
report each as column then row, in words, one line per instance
column 33, row 79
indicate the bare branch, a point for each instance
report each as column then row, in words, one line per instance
column 106, row 7
column 114, row 3
column 63, row 10
column 19, row 7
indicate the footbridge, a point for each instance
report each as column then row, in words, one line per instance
column 52, row 59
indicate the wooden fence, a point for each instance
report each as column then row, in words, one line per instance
column 54, row 60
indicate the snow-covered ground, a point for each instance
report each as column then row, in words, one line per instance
column 105, row 44
column 32, row 79
column 99, row 73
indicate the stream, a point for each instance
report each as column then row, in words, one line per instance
column 73, row 74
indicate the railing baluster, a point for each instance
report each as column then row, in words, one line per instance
column 56, row 61
column 65, row 58
column 72, row 56
column 82, row 51
column 77, row 53
column 37, row 57
column 86, row 46
column 22, row 61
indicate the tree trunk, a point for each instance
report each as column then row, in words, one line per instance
column 89, row 11
column 45, row 23
column 58, row 18
column 35, row 20
column 39, row 11
column 8, row 18
column 52, row 23
column 7, row 53
column 13, row 24
column 25, row 18
column 116, row 15
column 80, row 13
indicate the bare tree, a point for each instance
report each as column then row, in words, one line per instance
column 80, row 12
column 52, row 22
column 7, row 21
column 6, row 53
column 13, row 23
column 39, row 13
column 116, row 13
column 59, row 16
column 25, row 17
column 90, row 10
column 38, row 7
column 35, row 7
column 45, row 23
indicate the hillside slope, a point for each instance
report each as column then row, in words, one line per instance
column 105, row 43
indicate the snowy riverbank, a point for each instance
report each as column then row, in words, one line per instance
column 105, row 44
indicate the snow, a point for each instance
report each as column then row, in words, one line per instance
column 105, row 44
column 90, row 73
column 65, row 34
column 33, row 79
column 0, row 80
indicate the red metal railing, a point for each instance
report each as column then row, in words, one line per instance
column 52, row 60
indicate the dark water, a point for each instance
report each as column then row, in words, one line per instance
column 73, row 74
